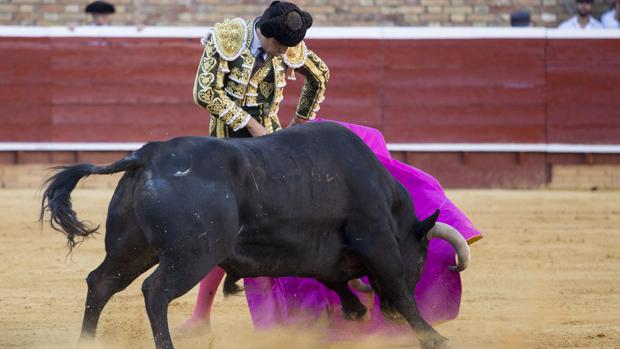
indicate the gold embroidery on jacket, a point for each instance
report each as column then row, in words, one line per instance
column 313, row 92
column 275, row 123
column 206, row 79
column 229, row 38
column 211, row 124
column 280, row 82
column 219, row 132
column 219, row 83
column 265, row 89
column 252, row 91
column 208, row 63
column 214, row 103
column 239, row 76
column 208, row 92
column 235, row 90
column 295, row 57
column 248, row 61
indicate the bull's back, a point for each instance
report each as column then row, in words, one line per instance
column 321, row 166
column 310, row 180
column 317, row 145
column 319, row 171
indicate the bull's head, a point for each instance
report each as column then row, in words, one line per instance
column 418, row 240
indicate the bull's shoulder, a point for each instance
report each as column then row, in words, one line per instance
column 335, row 135
column 324, row 129
column 191, row 141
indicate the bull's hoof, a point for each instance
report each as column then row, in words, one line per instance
column 85, row 342
column 435, row 343
column 360, row 314
column 393, row 316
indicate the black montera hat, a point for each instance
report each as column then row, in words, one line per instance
column 284, row 22
column 101, row 7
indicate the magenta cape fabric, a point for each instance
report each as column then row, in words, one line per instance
column 302, row 301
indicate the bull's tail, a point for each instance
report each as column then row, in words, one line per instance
column 57, row 196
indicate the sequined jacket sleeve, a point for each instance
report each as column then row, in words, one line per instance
column 209, row 89
column 313, row 92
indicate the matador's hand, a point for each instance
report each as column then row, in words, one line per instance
column 255, row 128
column 296, row 121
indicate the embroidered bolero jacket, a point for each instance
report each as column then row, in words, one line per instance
column 232, row 92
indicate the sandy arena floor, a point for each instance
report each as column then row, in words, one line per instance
column 547, row 275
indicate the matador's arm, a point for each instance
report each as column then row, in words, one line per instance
column 316, row 73
column 209, row 89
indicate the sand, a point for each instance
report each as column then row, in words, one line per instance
column 546, row 275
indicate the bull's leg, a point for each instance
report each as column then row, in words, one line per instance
column 390, row 312
column 382, row 258
column 397, row 297
column 428, row 337
column 175, row 276
column 128, row 256
column 112, row 276
column 352, row 308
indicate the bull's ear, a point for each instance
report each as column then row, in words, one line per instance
column 427, row 225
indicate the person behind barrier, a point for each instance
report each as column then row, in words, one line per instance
column 520, row 19
column 583, row 18
column 611, row 18
column 101, row 12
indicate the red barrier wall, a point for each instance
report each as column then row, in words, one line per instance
column 415, row 91
column 583, row 91
column 487, row 90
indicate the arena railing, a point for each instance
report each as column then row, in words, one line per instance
column 397, row 147
column 396, row 33
column 386, row 33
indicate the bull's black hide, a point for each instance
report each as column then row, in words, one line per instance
column 309, row 201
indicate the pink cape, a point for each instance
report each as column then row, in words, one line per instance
column 302, row 301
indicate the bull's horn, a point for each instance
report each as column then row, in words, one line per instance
column 447, row 232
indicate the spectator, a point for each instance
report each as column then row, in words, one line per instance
column 520, row 19
column 101, row 12
column 610, row 18
column 583, row 19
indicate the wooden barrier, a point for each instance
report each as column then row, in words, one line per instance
column 530, row 89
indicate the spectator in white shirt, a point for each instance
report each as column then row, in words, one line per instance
column 583, row 19
column 610, row 18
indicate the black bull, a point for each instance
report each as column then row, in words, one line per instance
column 310, row 201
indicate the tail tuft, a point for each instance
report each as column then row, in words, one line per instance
column 57, row 196
column 57, row 200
